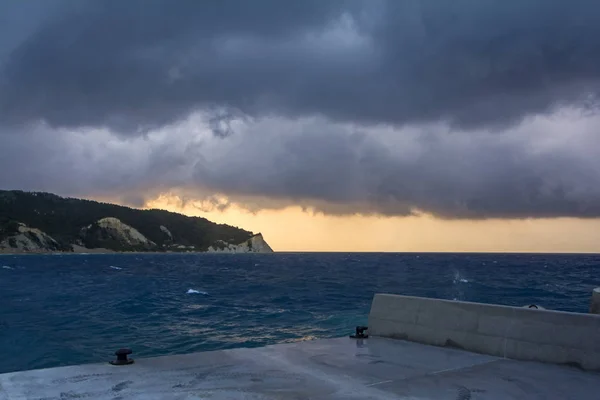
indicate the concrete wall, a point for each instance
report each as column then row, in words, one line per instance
column 510, row 332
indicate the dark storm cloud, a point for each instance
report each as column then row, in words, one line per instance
column 331, row 105
column 535, row 170
column 133, row 65
column 336, row 171
column 141, row 64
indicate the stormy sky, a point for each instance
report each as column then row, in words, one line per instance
column 461, row 109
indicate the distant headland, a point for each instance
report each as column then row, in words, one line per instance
column 38, row 222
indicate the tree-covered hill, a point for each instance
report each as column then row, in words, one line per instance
column 75, row 221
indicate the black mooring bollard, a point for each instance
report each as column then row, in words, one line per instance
column 360, row 333
column 122, row 357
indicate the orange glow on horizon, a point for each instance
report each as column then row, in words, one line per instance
column 292, row 229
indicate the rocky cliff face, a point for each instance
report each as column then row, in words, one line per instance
column 29, row 240
column 166, row 231
column 256, row 244
column 113, row 234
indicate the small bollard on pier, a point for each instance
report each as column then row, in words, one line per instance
column 360, row 333
column 122, row 357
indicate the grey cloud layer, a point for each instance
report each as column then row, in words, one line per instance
column 334, row 105
column 532, row 171
column 138, row 64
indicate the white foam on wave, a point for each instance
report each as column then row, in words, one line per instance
column 459, row 279
column 113, row 267
column 6, row 267
column 194, row 291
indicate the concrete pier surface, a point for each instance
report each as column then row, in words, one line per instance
column 344, row 368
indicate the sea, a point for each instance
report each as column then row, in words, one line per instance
column 79, row 308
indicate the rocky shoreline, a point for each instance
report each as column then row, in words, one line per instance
column 256, row 244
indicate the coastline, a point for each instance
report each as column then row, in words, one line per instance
column 108, row 251
column 244, row 248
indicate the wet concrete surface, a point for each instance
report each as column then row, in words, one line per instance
column 344, row 368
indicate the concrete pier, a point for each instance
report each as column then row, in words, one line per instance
column 417, row 349
column 373, row 368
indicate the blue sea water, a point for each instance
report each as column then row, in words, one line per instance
column 70, row 309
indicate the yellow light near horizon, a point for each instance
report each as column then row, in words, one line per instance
column 292, row 229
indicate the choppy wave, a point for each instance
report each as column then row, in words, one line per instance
column 194, row 291
column 70, row 310
column 458, row 278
